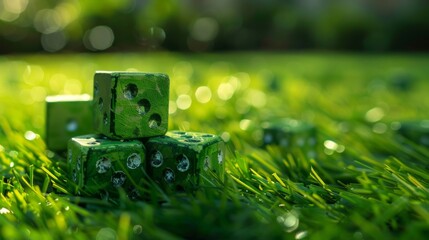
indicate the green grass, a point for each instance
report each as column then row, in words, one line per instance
column 371, row 186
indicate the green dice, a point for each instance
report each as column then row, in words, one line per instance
column 184, row 160
column 289, row 134
column 67, row 116
column 415, row 131
column 130, row 105
column 98, row 165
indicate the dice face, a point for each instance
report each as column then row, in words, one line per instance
column 184, row 160
column 416, row 131
column 289, row 134
column 98, row 165
column 129, row 105
column 67, row 116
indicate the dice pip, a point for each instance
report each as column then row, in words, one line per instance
column 99, row 165
column 289, row 134
column 130, row 105
column 184, row 160
column 67, row 116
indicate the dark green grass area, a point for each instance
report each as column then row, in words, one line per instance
column 366, row 181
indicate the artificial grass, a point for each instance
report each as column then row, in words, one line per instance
column 366, row 181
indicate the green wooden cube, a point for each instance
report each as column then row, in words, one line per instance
column 291, row 134
column 415, row 131
column 129, row 105
column 184, row 160
column 99, row 165
column 67, row 116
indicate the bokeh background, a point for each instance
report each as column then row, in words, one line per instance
column 203, row 25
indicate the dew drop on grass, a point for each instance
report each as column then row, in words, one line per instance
column 289, row 221
column 183, row 163
column 30, row 135
column 4, row 211
column 301, row 235
column 133, row 161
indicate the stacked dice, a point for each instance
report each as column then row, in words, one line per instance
column 130, row 112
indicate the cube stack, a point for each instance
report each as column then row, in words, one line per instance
column 130, row 111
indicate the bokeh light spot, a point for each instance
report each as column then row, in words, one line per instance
column 47, row 21
column 256, row 98
column 225, row 136
column 204, row 29
column 331, row 147
column 106, row 234
column 10, row 10
column 172, row 107
column 379, row 128
column 244, row 124
column 183, row 69
column 33, row 74
column 30, row 135
column 374, row 114
column 225, row 91
column 72, row 86
column 99, row 38
column 203, row 94
column 38, row 94
column 53, row 42
column 15, row 6
column 184, row 101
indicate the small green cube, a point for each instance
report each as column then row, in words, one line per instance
column 415, row 131
column 184, row 160
column 98, row 165
column 130, row 105
column 290, row 133
column 67, row 116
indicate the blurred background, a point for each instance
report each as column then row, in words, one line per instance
column 222, row 25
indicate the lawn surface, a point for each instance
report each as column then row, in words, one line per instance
column 365, row 182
